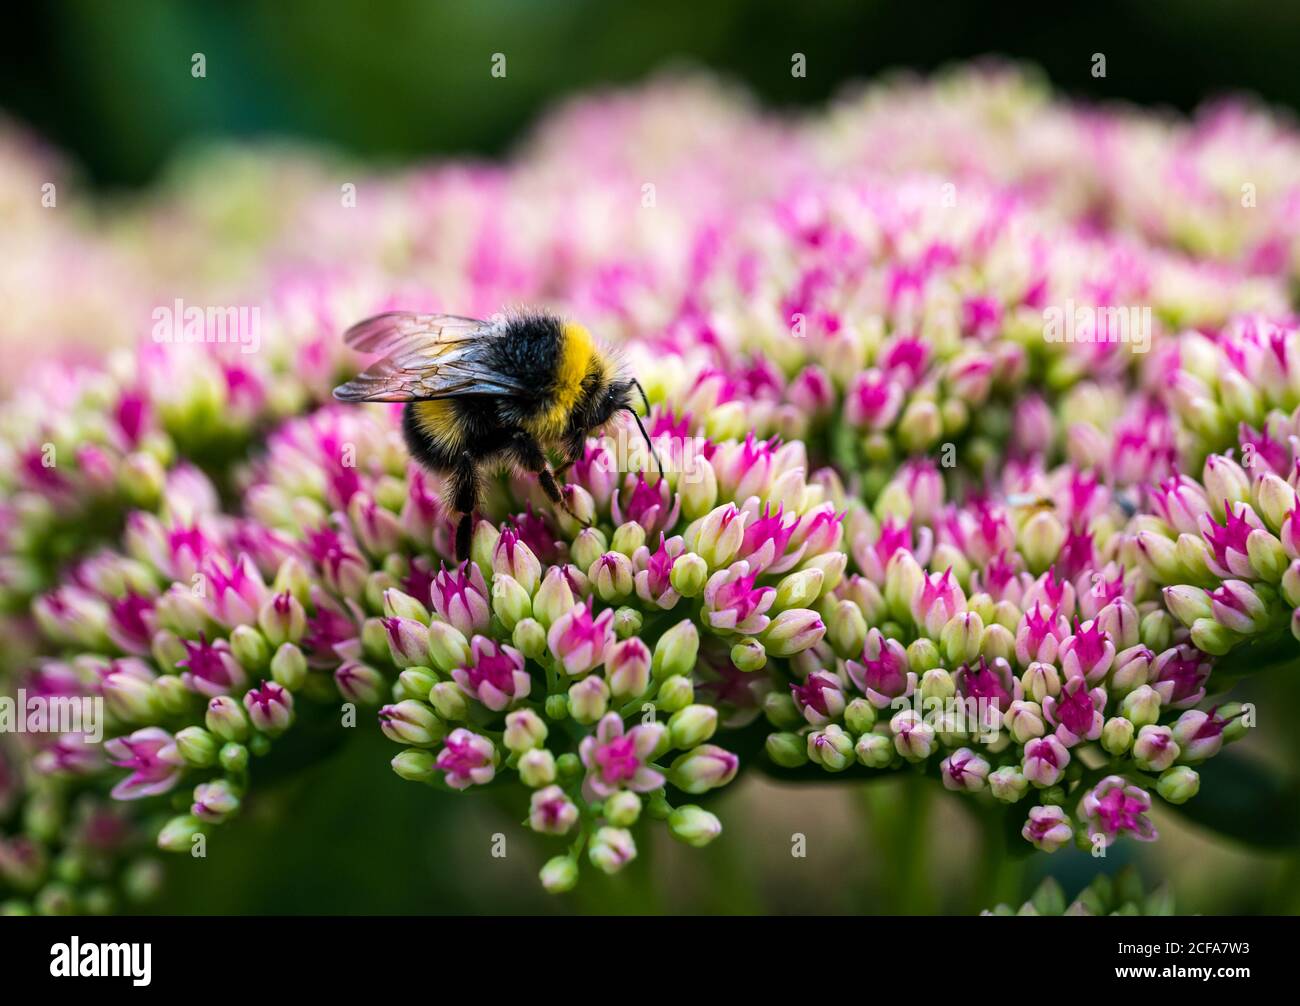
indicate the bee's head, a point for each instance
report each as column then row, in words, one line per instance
column 615, row 398
column 619, row 398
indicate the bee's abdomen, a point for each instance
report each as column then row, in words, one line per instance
column 433, row 451
column 441, row 432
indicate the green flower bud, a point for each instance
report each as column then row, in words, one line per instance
column 1212, row 637
column 698, row 490
column 482, row 546
column 226, row 718
column 537, row 768
column 749, row 655
column 676, row 652
column 1237, row 723
column 923, row 654
column 249, row 647
column 692, row 726
column 793, row 631
column 903, row 576
column 589, row 546
column 611, row 849
column 694, row 825
column 560, row 874
column 798, row 590
column 374, row 641
column 448, row 647
column 524, row 731
column 846, row 629
column 172, row 695
column 233, row 758
column 1141, row 707
column 689, row 574
column 1117, row 736
column 676, row 692
column 197, row 746
column 831, row 565
column 859, row 716
column 1291, row 584
column 1266, row 554
column 510, row 602
column 130, row 698
column 920, row 427
column 961, row 638
column 611, row 577
column 628, row 538
column 412, row 723
column 177, row 835
column 415, row 765
column 569, row 766
column 415, row 683
column 627, row 622
column 1041, row 538
column 397, row 604
column 1274, row 500
column 289, row 667
column 1194, row 554
column 529, row 638
column 937, row 683
column 787, row 749
column 831, row 748
column 448, row 701
column 557, row 707
column 554, row 597
column 1008, row 784
column 874, row 750
column 167, row 650
column 1178, row 784
column 1188, row 603
column 1157, row 630
column 589, row 699
column 780, row 710
column 717, row 536
column 1159, row 557
column 622, row 809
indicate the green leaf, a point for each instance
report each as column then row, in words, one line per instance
column 1245, row 799
column 1264, row 653
column 1049, row 899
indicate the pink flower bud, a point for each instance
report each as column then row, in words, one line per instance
column 495, row 675
column 460, row 597
column 270, row 707
column 578, row 640
column 1048, row 828
column 1114, row 807
column 467, row 759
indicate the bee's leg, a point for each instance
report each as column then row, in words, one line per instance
column 530, row 458
column 573, row 452
column 464, row 497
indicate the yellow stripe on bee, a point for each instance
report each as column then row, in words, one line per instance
column 437, row 419
column 576, row 353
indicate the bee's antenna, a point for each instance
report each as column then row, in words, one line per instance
column 644, row 399
column 641, row 426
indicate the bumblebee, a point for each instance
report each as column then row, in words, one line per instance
column 486, row 395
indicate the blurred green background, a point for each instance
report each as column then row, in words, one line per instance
column 110, row 83
column 397, row 79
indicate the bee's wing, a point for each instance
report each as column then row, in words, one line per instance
column 427, row 356
column 393, row 331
